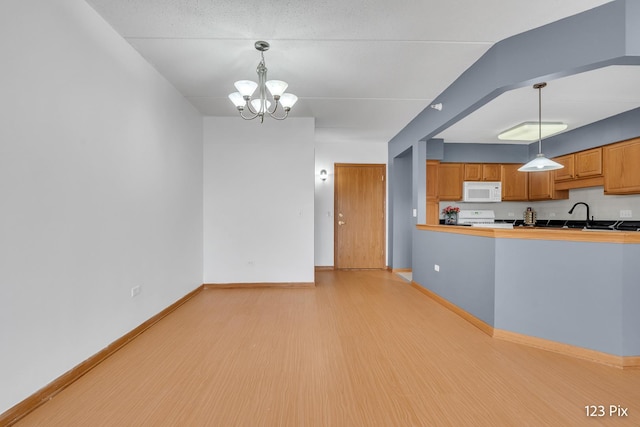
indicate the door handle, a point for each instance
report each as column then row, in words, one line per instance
column 341, row 223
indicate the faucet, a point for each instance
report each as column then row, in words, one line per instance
column 586, row 205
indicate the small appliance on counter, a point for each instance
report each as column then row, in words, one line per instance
column 480, row 218
column 529, row 216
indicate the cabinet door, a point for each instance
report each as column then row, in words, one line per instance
column 589, row 163
column 567, row 172
column 450, row 181
column 621, row 171
column 514, row 183
column 473, row 171
column 491, row 172
column 540, row 185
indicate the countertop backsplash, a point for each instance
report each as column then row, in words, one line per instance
column 601, row 207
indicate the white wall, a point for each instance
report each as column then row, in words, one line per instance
column 101, row 190
column 327, row 154
column 258, row 200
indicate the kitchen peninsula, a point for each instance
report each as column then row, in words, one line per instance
column 565, row 290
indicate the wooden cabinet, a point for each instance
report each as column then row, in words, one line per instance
column 450, row 177
column 567, row 172
column 433, row 199
column 588, row 163
column 542, row 187
column 515, row 184
column 482, row 172
column 581, row 169
column 621, row 170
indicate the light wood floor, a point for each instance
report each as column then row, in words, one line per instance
column 364, row 348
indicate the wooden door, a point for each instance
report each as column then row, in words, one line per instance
column 359, row 220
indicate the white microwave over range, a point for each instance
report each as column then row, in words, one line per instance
column 482, row 191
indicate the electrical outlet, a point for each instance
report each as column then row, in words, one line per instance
column 135, row 291
column 436, row 267
column 625, row 213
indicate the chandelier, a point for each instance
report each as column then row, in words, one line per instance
column 261, row 106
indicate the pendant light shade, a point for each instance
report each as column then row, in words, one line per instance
column 540, row 163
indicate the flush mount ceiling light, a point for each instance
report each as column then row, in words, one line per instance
column 540, row 163
column 528, row 131
column 261, row 106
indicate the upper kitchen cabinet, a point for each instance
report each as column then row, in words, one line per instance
column 482, row 172
column 450, row 177
column 581, row 169
column 542, row 186
column 515, row 184
column 621, row 171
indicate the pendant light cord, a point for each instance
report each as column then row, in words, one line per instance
column 539, row 86
column 540, row 118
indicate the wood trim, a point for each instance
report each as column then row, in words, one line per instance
column 209, row 286
column 580, row 183
column 623, row 362
column 630, row 362
column 532, row 233
column 401, row 270
column 20, row 410
column 324, row 268
column 480, row 324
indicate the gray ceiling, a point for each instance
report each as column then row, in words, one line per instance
column 363, row 69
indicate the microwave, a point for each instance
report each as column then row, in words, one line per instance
column 482, row 191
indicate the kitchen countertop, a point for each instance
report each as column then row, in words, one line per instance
column 540, row 233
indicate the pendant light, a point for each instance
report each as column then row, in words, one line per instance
column 540, row 163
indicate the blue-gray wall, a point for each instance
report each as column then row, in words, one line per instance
column 467, row 270
column 569, row 292
column 631, row 300
column 403, row 221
